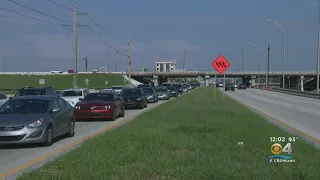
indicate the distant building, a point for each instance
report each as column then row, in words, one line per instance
column 166, row 66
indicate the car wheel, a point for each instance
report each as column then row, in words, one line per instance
column 71, row 128
column 141, row 106
column 114, row 116
column 123, row 112
column 49, row 137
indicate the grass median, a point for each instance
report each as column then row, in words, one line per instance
column 192, row 137
column 96, row 81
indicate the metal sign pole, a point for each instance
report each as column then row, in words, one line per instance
column 224, row 83
column 215, row 84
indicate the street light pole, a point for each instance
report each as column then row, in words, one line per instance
column 267, row 63
column 284, row 48
column 318, row 48
column 258, row 49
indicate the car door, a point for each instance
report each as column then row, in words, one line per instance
column 56, row 117
column 117, row 102
column 66, row 115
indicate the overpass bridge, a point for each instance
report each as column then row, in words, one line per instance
column 294, row 79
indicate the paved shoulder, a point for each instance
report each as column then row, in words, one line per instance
column 298, row 112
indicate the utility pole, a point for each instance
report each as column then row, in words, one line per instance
column 184, row 60
column 117, row 61
column 129, row 60
column 86, row 61
column 242, row 59
column 75, row 50
column 108, row 61
column 268, row 66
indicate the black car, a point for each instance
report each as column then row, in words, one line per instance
column 31, row 91
column 242, row 86
column 144, row 85
column 229, row 86
column 179, row 88
column 173, row 90
column 151, row 93
column 134, row 98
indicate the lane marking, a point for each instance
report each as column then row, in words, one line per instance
column 74, row 144
column 278, row 121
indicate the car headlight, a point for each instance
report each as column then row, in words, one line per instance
column 77, row 107
column 139, row 99
column 36, row 123
column 173, row 92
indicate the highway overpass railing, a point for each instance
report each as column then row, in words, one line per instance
column 312, row 95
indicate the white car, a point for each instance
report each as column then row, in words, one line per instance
column 3, row 98
column 72, row 96
column 56, row 71
column 117, row 89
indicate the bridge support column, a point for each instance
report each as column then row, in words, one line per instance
column 155, row 80
column 207, row 77
column 301, row 83
column 253, row 81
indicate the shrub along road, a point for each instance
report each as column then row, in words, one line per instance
column 192, row 137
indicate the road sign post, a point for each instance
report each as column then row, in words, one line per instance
column 106, row 82
column 215, row 84
column 42, row 82
column 221, row 64
column 87, row 82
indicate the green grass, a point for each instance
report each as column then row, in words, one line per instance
column 192, row 137
column 96, row 81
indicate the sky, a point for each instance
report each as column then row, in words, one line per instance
column 159, row 30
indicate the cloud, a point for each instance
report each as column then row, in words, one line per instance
column 162, row 45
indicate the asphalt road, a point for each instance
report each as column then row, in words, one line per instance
column 295, row 111
column 12, row 157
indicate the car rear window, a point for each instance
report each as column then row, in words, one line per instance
column 71, row 93
column 30, row 92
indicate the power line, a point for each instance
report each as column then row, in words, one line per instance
column 40, row 12
column 101, row 39
column 95, row 22
column 43, row 21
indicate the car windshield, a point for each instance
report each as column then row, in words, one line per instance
column 25, row 106
column 171, row 88
column 58, row 92
column 163, row 89
column 148, row 90
column 99, row 96
column 71, row 93
column 2, row 96
column 177, row 86
column 29, row 92
column 117, row 87
column 131, row 93
column 107, row 90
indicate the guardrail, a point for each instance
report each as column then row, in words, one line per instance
column 295, row 92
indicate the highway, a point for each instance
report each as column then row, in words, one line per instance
column 298, row 112
column 15, row 158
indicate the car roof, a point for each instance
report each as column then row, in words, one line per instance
column 75, row 89
column 45, row 97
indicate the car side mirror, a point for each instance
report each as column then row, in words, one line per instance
column 10, row 97
column 55, row 110
column 80, row 99
column 119, row 95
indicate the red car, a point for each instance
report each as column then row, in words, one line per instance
column 101, row 105
column 70, row 71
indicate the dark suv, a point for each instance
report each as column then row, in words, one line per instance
column 229, row 86
column 27, row 91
